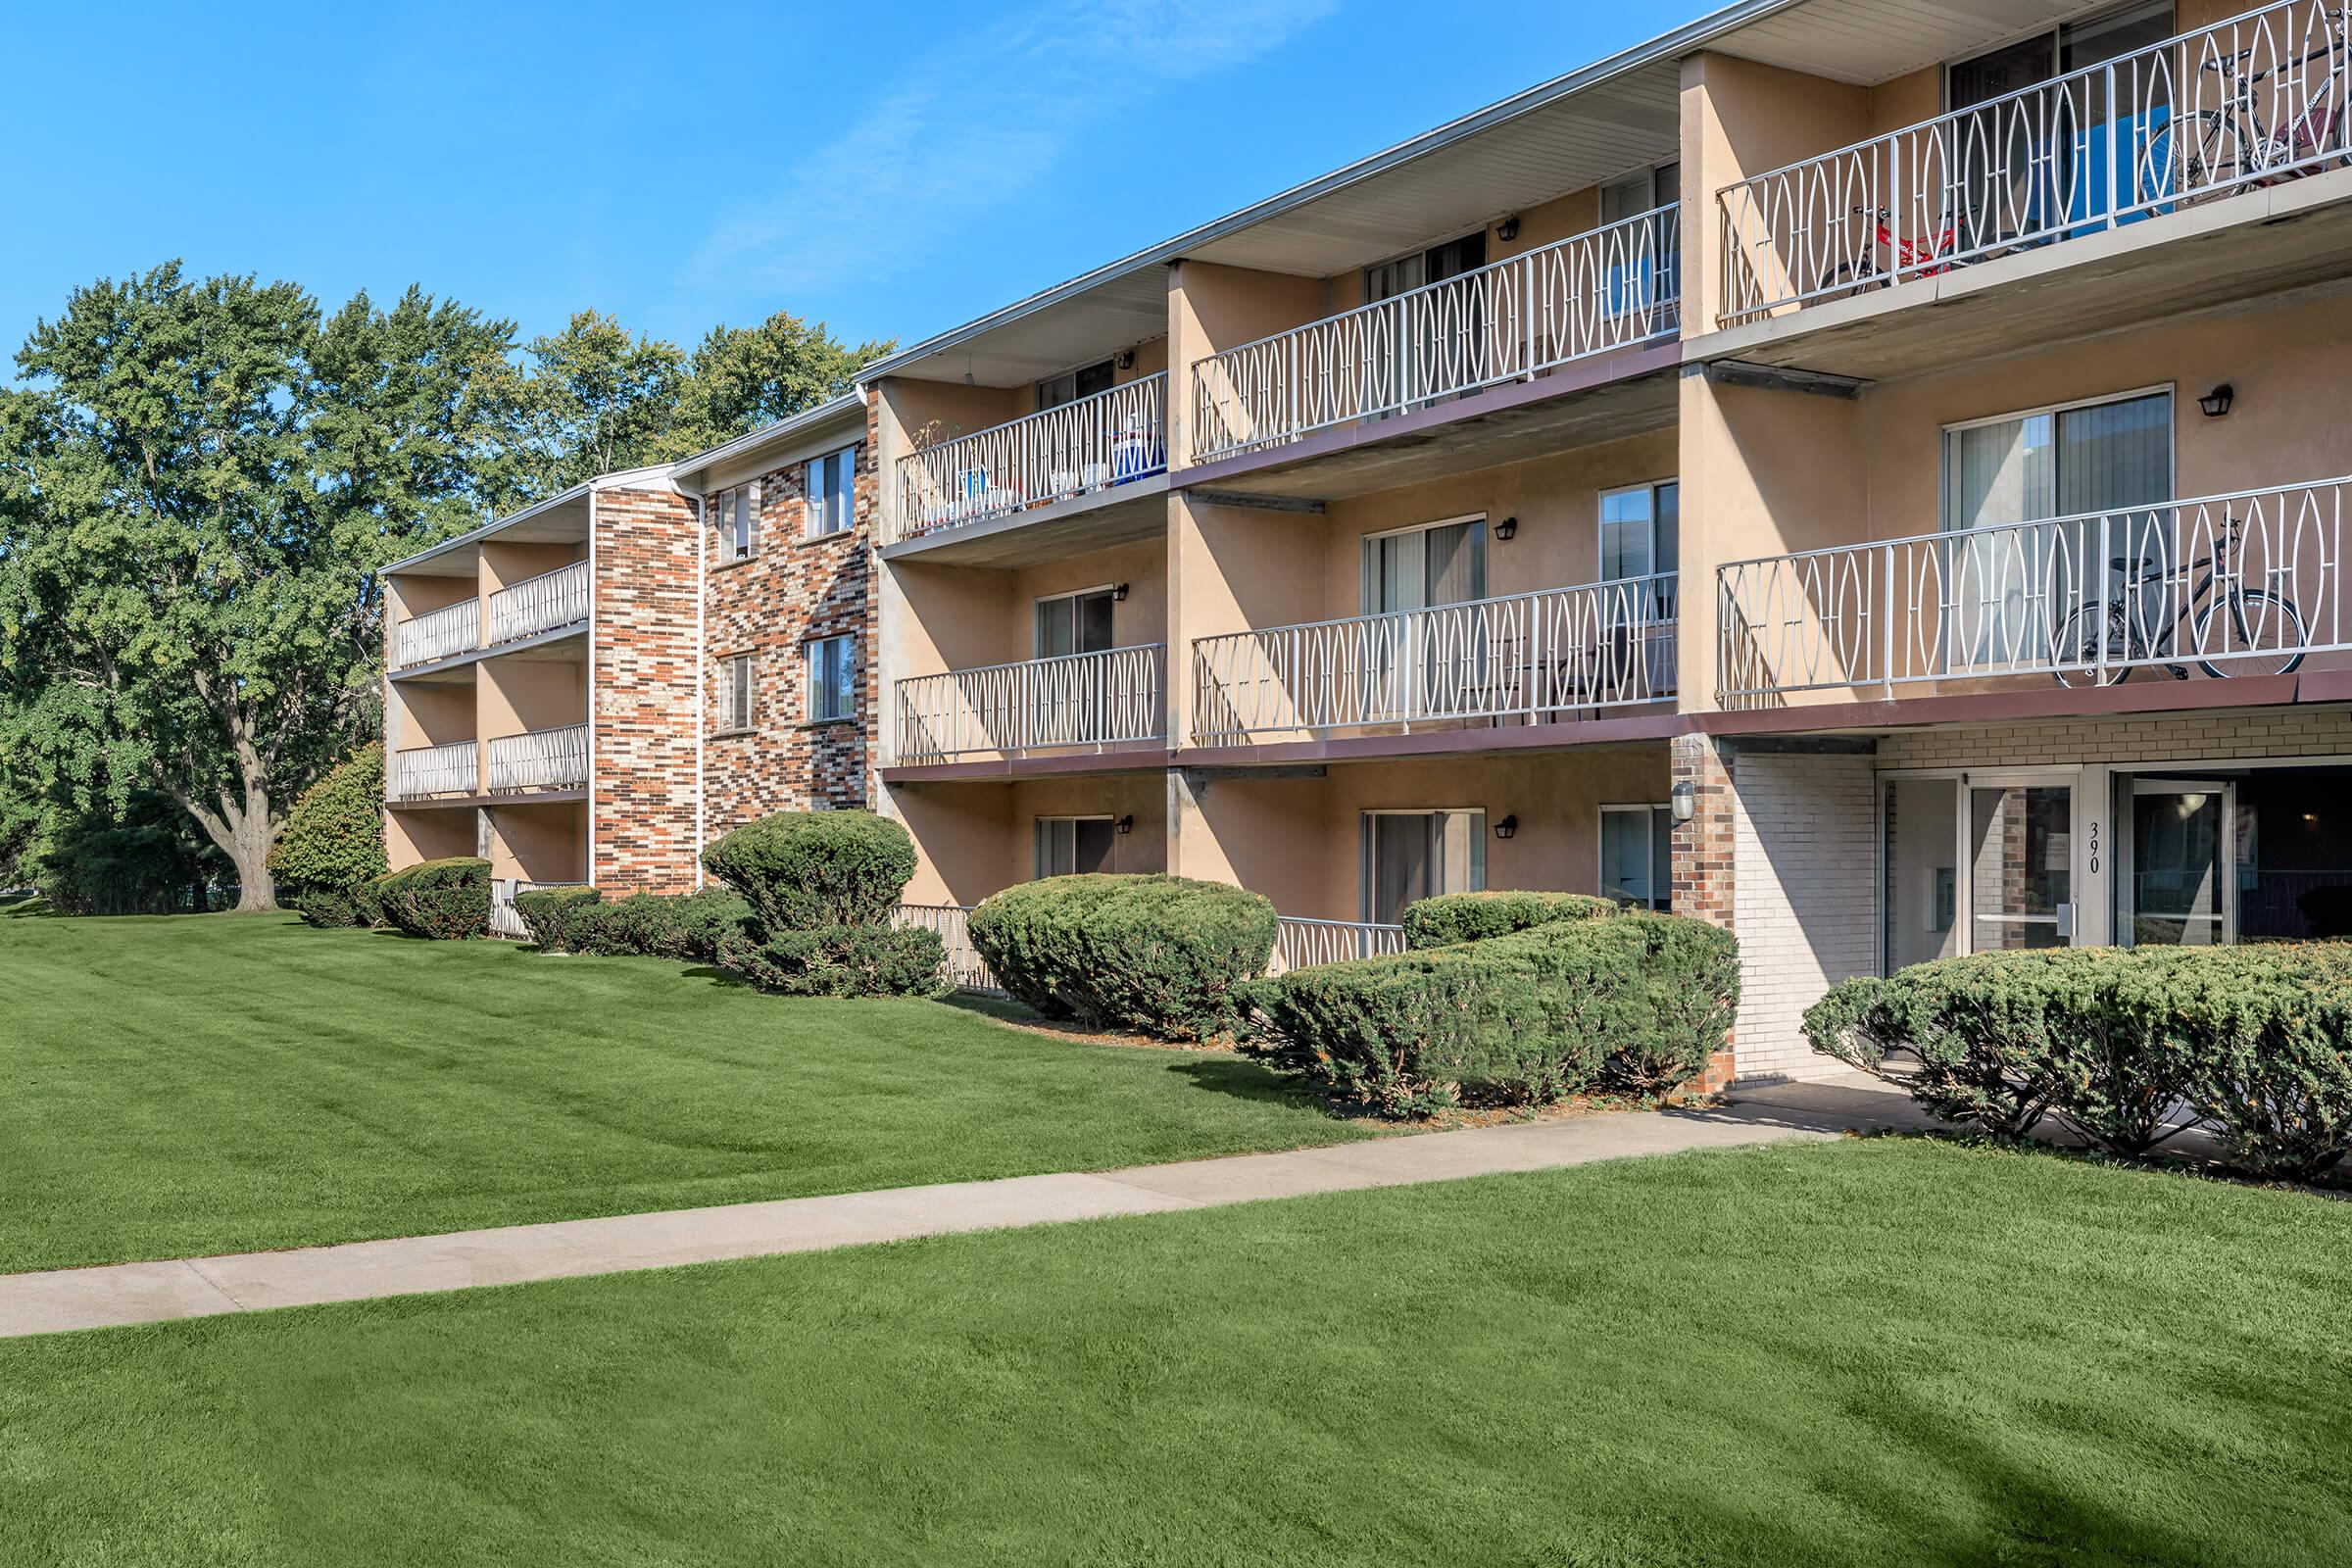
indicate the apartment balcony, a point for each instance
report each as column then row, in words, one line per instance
column 1534, row 659
column 549, row 602
column 2212, row 590
column 1076, row 702
column 539, row 760
column 1055, row 472
column 422, row 772
column 2100, row 199
column 1524, row 320
column 438, row 634
column 1301, row 943
column 504, row 919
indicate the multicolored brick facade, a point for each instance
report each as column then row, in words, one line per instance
column 642, row 682
column 791, row 591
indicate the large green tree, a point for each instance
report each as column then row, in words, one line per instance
column 742, row 377
column 199, row 488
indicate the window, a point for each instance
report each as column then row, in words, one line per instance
column 2011, row 589
column 1637, row 855
column 1069, row 845
column 1415, row 568
column 1409, row 856
column 735, row 514
column 832, row 678
column 735, row 692
column 832, row 491
column 1647, row 278
column 1071, row 385
column 1074, row 623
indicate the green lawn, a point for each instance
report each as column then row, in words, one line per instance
column 1883, row 1351
column 214, row 1083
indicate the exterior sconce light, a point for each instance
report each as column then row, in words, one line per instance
column 1125, row 824
column 1118, row 593
column 1506, row 827
column 1508, row 230
column 1125, row 360
column 2216, row 402
column 1507, row 528
column 1683, row 801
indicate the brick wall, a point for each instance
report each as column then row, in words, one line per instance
column 1804, row 854
column 643, row 687
column 1700, row 868
column 2252, row 733
column 791, row 591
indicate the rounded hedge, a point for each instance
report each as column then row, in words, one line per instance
column 441, row 899
column 334, row 837
column 2255, row 1040
column 807, row 870
column 1636, row 1003
column 1452, row 917
column 1163, row 954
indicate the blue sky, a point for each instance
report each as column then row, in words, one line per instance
column 892, row 170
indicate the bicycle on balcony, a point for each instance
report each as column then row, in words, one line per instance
column 2225, row 147
column 2142, row 621
column 1920, row 258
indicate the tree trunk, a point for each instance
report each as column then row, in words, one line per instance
column 245, row 834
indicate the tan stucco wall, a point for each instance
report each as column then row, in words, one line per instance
column 505, row 564
column 973, row 840
column 541, row 843
column 525, row 694
column 431, row 713
column 411, row 836
column 1298, row 840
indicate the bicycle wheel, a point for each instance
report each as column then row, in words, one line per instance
column 2269, row 629
column 2190, row 158
column 2074, row 651
column 1845, row 281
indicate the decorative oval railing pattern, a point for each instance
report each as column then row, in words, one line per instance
column 2252, row 101
column 442, row 633
column 1302, row 944
column 423, row 770
column 558, row 598
column 1612, row 288
column 540, row 759
column 504, row 920
column 2240, row 584
column 1536, row 657
column 966, row 970
column 1098, row 698
column 1105, row 439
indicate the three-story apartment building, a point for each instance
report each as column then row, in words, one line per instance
column 1866, row 476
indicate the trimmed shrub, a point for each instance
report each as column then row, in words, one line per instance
column 334, row 836
column 658, row 925
column 367, row 902
column 548, row 913
column 440, row 900
column 839, row 960
column 1163, row 954
column 801, row 870
column 1637, row 1001
column 1452, row 917
column 2110, row 1041
column 329, row 910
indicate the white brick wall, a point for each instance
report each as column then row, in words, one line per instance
column 1805, row 909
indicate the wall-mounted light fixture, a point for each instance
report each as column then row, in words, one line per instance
column 1506, row 827
column 1508, row 228
column 1683, row 801
column 1507, row 528
column 1125, row 824
column 2216, row 402
column 1118, row 593
column 1124, row 360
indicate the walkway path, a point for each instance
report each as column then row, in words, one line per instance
column 250, row 1282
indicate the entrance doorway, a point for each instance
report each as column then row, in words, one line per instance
column 1976, row 864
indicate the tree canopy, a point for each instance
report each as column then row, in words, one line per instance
column 201, row 483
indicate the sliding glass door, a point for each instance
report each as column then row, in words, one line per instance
column 1983, row 863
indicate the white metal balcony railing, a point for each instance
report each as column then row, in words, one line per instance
column 1098, row 699
column 504, row 920
column 425, row 771
column 2240, row 584
column 1530, row 656
column 442, row 633
column 1612, row 288
column 539, row 760
column 1301, row 943
column 1105, row 439
column 966, row 970
column 2250, row 101
column 558, row 598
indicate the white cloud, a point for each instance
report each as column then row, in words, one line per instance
column 974, row 119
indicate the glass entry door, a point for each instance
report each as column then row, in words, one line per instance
column 2183, row 886
column 2020, row 859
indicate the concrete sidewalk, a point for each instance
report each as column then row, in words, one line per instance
column 121, row 1294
